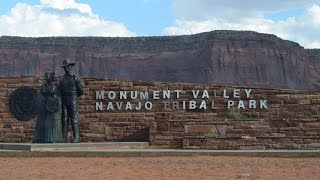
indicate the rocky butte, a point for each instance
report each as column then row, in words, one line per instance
column 243, row 58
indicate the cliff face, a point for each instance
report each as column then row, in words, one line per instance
column 220, row 57
column 314, row 68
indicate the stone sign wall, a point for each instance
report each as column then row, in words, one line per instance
column 217, row 118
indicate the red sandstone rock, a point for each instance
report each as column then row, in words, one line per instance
column 220, row 57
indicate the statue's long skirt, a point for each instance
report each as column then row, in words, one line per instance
column 48, row 127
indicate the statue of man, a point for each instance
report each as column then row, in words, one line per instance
column 70, row 90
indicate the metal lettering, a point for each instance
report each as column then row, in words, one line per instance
column 99, row 94
column 98, row 106
column 236, row 93
column 111, row 95
column 166, row 94
column 203, row 105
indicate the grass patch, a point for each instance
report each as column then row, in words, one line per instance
column 235, row 115
column 212, row 134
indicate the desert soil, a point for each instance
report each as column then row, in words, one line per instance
column 195, row 167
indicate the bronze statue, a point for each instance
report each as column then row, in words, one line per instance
column 70, row 90
column 48, row 126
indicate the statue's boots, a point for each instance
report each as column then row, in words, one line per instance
column 75, row 131
column 65, row 133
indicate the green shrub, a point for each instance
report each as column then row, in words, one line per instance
column 235, row 115
column 212, row 134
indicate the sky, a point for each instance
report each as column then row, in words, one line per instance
column 295, row 20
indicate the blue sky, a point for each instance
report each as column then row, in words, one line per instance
column 145, row 17
column 284, row 14
column 141, row 16
column 294, row 20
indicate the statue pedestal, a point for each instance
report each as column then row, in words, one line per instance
column 73, row 146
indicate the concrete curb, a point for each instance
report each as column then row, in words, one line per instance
column 158, row 152
column 66, row 146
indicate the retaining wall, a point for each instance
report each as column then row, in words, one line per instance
column 290, row 121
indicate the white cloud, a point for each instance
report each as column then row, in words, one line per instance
column 253, row 24
column 314, row 14
column 208, row 15
column 66, row 4
column 230, row 9
column 58, row 18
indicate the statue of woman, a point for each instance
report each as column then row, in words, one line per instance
column 48, row 127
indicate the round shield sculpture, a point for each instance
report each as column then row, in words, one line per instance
column 23, row 103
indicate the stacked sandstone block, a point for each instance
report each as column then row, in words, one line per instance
column 291, row 121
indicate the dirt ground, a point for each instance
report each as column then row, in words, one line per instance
column 195, row 167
